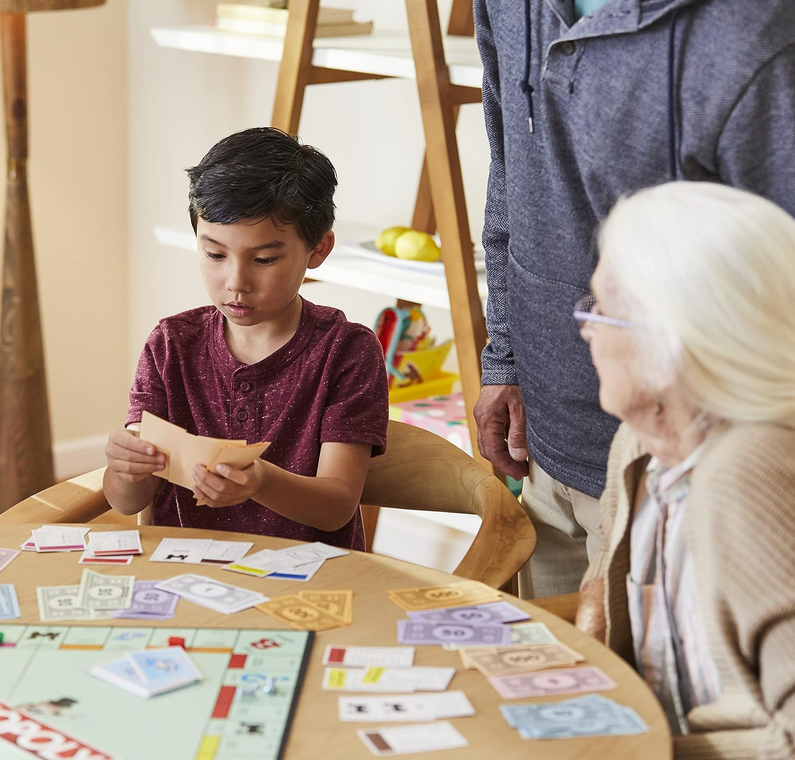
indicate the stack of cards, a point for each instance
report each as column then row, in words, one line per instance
column 112, row 547
column 591, row 715
column 405, row 740
column 296, row 563
column 197, row 551
column 7, row 556
column 184, row 450
column 327, row 610
column 56, row 538
column 208, row 592
column 464, row 594
column 97, row 596
column 149, row 673
column 149, row 603
column 9, row 604
column 368, row 657
column 386, row 680
column 405, row 708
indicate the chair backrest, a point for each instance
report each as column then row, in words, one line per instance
column 77, row 500
column 421, row 470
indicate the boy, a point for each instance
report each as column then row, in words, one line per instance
column 261, row 363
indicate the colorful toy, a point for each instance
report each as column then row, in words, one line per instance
column 411, row 357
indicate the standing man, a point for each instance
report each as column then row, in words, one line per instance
column 585, row 101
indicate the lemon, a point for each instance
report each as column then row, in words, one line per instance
column 417, row 246
column 385, row 242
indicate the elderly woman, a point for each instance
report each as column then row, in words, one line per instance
column 691, row 327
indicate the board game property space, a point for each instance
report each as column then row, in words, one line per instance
column 51, row 708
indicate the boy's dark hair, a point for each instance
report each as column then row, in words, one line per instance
column 262, row 173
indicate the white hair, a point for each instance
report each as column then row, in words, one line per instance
column 709, row 272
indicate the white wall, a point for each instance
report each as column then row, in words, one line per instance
column 77, row 90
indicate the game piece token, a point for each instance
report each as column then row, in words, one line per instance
column 176, row 641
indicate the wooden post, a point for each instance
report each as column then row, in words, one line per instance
column 26, row 464
column 437, row 101
column 461, row 24
column 295, row 70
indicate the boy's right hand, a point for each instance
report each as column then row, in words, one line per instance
column 130, row 458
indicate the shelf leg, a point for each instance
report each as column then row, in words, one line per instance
column 26, row 464
column 447, row 192
column 295, row 70
column 462, row 19
column 462, row 24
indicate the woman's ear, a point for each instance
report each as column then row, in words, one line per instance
column 321, row 251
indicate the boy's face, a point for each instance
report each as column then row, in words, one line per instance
column 252, row 270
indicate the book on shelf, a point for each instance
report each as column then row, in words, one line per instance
column 278, row 30
column 268, row 14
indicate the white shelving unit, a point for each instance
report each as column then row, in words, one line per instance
column 385, row 52
column 346, row 267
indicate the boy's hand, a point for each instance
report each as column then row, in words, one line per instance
column 130, row 458
column 228, row 486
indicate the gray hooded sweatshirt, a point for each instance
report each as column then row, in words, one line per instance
column 638, row 93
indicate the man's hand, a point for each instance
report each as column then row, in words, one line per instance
column 502, row 429
column 228, row 486
column 131, row 459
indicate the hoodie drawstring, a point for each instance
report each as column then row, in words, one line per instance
column 673, row 148
column 525, row 84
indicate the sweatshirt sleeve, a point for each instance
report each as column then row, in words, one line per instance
column 757, row 142
column 498, row 359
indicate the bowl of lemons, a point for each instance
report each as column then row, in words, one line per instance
column 409, row 249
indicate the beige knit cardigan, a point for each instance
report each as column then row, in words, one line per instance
column 740, row 529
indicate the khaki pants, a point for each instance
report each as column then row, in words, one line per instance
column 567, row 523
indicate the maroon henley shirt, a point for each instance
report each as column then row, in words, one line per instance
column 327, row 383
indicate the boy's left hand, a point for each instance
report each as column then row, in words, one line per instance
column 228, row 486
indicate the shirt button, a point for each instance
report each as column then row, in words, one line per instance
column 242, row 415
column 245, row 387
column 567, row 47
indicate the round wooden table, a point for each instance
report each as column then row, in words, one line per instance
column 317, row 731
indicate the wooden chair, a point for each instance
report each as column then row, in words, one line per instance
column 420, row 470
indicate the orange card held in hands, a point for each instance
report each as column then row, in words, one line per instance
column 184, row 450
